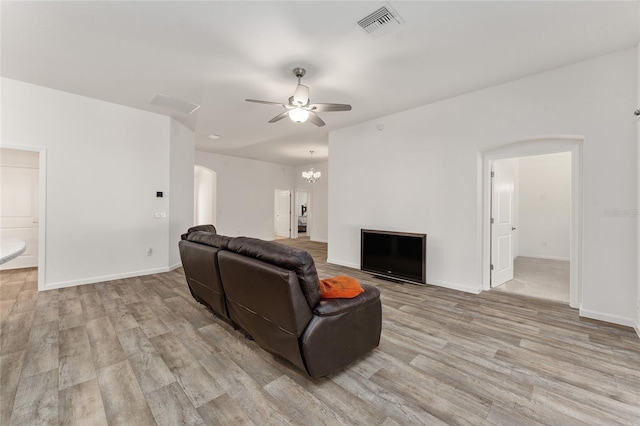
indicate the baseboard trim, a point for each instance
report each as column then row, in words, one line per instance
column 637, row 328
column 93, row 280
column 614, row 319
column 536, row 256
column 175, row 266
column 341, row 263
column 456, row 286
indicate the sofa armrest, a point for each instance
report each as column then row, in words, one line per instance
column 329, row 307
column 341, row 331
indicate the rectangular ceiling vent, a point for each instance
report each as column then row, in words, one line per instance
column 383, row 18
column 174, row 104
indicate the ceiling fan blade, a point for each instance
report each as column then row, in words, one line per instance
column 279, row 117
column 330, row 107
column 313, row 117
column 266, row 102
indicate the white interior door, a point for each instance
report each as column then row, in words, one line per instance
column 502, row 228
column 283, row 213
column 19, row 212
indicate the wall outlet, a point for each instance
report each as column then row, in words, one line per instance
column 159, row 214
column 149, row 251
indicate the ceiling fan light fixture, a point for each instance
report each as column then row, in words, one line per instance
column 298, row 115
column 299, row 108
column 301, row 96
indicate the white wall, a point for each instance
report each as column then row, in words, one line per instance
column 545, row 206
column 105, row 163
column 422, row 174
column 182, row 152
column 245, row 193
column 318, row 231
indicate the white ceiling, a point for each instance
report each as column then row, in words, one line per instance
column 216, row 54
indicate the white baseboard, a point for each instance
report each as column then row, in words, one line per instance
column 456, row 286
column 637, row 328
column 93, row 280
column 614, row 319
column 341, row 263
column 539, row 256
column 319, row 241
column 175, row 266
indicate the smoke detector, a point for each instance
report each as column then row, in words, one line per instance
column 384, row 18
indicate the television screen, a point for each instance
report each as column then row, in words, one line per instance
column 398, row 255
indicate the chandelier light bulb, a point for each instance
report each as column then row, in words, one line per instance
column 311, row 175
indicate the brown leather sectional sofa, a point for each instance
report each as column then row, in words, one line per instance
column 271, row 291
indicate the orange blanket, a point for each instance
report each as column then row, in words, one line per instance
column 340, row 287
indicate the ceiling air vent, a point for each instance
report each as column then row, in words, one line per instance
column 174, row 104
column 385, row 17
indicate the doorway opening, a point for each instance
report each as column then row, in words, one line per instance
column 205, row 187
column 22, row 208
column 282, row 213
column 530, row 227
column 536, row 146
column 302, row 228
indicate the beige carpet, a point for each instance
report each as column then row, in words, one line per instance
column 541, row 278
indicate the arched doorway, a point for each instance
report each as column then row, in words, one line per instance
column 539, row 145
column 205, row 196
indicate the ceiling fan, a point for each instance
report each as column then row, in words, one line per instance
column 299, row 108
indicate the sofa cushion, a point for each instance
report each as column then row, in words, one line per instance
column 286, row 257
column 329, row 307
column 340, row 287
column 207, row 238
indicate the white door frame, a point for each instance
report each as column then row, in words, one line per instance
column 537, row 145
column 42, row 207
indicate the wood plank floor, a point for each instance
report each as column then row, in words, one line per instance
column 141, row 351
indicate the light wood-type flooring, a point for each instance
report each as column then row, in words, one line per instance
column 141, row 351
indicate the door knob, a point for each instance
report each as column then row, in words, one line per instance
column 513, row 229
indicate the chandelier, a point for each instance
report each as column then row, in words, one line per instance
column 311, row 175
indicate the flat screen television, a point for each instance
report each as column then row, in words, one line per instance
column 395, row 255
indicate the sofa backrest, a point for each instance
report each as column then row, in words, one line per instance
column 287, row 257
column 266, row 300
column 206, row 228
column 199, row 254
